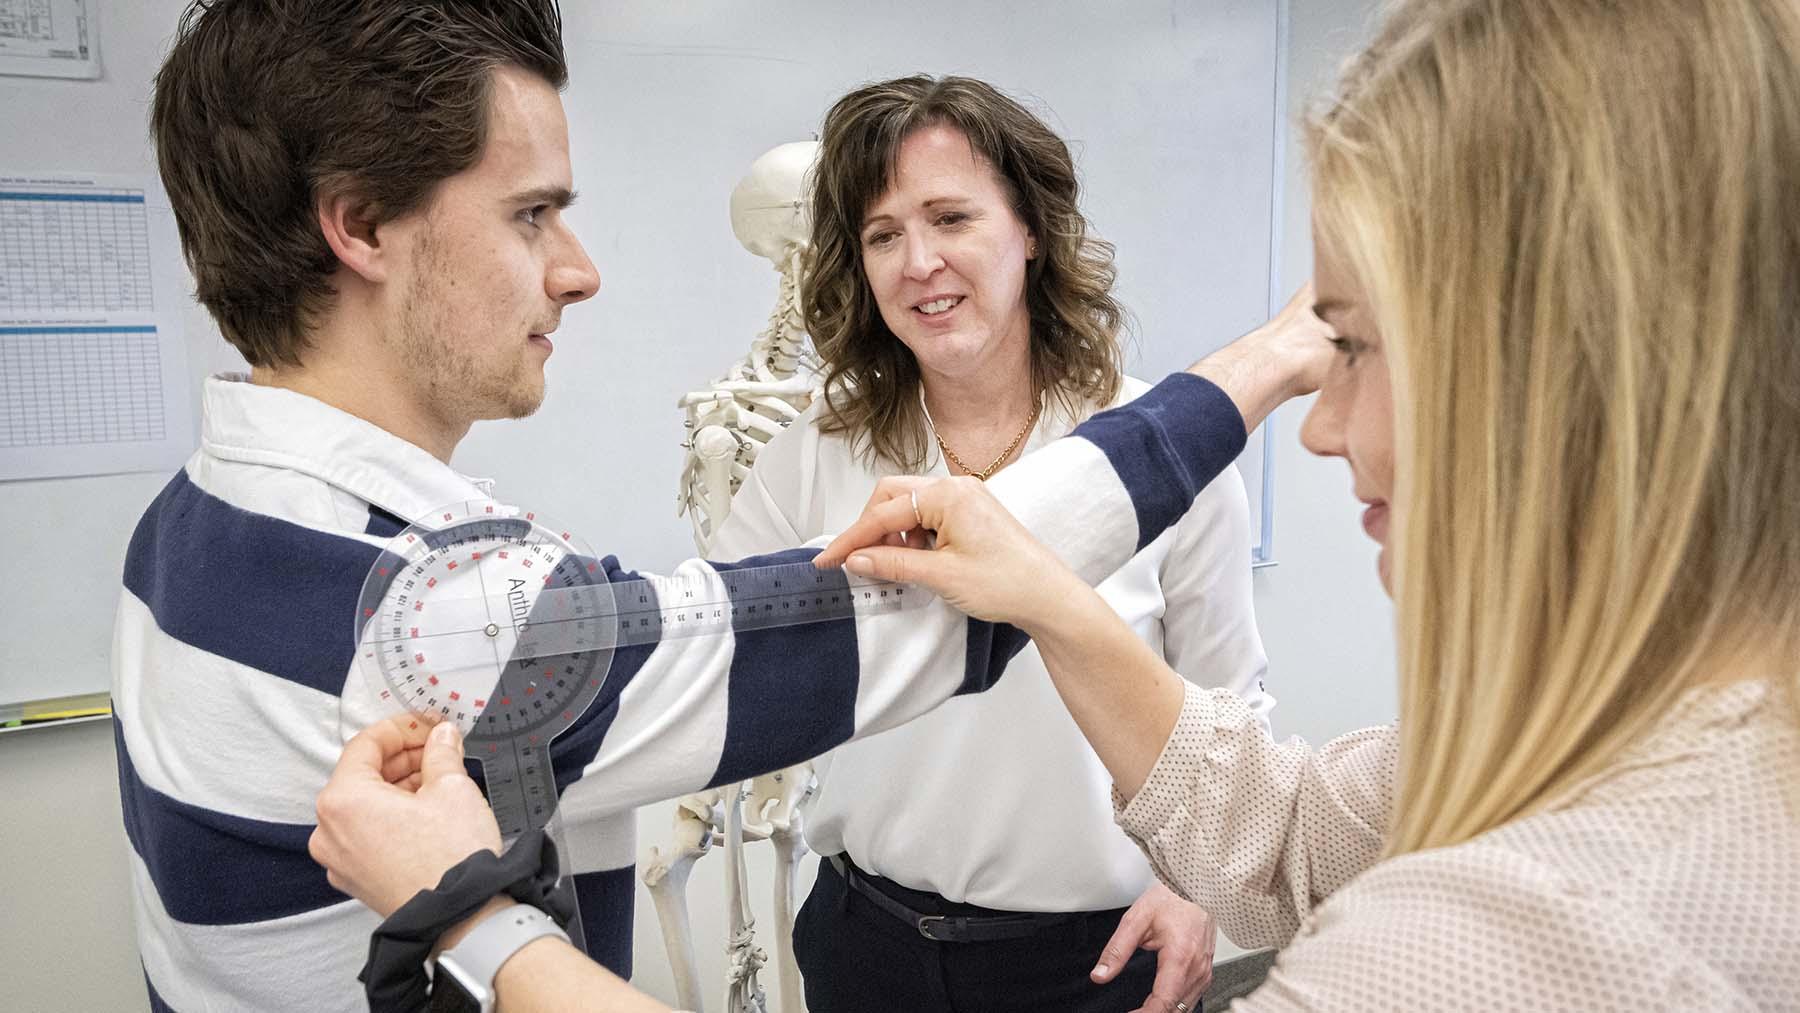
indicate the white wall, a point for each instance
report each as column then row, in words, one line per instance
column 65, row 934
column 100, row 126
column 66, row 942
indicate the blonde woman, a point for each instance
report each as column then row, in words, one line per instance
column 1558, row 241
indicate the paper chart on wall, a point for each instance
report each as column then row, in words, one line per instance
column 49, row 38
column 92, row 363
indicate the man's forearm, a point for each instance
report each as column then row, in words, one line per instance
column 1282, row 359
column 1255, row 381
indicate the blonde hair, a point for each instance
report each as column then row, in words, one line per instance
column 1578, row 225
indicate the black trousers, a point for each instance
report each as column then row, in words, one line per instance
column 857, row 958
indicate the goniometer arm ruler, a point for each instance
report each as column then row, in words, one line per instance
column 499, row 621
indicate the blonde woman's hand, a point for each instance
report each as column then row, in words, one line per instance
column 982, row 560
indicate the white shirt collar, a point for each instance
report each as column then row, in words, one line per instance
column 243, row 421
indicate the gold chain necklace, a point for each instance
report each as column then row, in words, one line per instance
column 982, row 475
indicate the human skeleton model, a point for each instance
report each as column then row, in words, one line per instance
column 728, row 424
column 767, row 389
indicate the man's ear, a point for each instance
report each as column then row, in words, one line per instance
column 349, row 227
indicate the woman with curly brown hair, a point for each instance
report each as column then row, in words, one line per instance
column 966, row 316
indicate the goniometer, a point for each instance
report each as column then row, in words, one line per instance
column 504, row 622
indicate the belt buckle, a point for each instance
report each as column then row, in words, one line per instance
column 928, row 923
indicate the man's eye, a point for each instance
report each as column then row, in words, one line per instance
column 530, row 215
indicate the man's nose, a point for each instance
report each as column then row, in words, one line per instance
column 572, row 276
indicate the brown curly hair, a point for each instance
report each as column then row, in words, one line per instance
column 872, row 382
column 263, row 105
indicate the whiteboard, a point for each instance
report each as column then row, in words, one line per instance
column 1172, row 109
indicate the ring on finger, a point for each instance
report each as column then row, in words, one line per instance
column 920, row 521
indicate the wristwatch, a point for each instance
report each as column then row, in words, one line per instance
column 464, row 982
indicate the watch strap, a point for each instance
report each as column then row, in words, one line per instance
column 476, row 960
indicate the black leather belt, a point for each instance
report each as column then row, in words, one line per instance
column 947, row 928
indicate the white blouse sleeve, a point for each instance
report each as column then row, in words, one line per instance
column 1209, row 611
column 760, row 521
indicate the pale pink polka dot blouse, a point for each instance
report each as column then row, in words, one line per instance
column 1670, row 882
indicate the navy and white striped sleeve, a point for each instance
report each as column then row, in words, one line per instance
column 697, row 712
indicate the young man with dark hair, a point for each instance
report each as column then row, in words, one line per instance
column 370, row 197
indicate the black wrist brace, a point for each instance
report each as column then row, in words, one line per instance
column 394, row 976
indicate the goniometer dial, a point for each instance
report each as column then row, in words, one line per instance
column 497, row 620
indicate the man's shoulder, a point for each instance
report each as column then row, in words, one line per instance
column 261, row 590
column 191, row 525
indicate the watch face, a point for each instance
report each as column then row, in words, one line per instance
column 452, row 992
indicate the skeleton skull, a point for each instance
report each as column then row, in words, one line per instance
column 768, row 208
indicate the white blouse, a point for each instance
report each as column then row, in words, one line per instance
column 995, row 798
